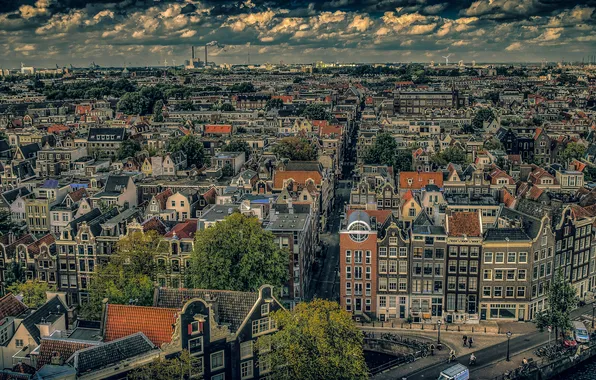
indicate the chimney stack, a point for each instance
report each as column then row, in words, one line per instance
column 205, row 55
column 193, row 53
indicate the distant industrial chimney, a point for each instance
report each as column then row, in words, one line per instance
column 205, row 55
column 193, row 53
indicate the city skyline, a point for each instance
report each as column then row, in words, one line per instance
column 48, row 32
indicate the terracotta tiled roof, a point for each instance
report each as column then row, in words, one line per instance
column 419, row 180
column 298, row 177
column 78, row 194
column 284, row 98
column 218, row 129
column 155, row 322
column 380, row 215
column 508, row 198
column 57, row 128
column 579, row 166
column 464, row 223
column 184, row 230
column 154, row 224
column 59, row 347
column 320, row 123
column 163, row 197
column 329, row 130
column 34, row 248
column 10, row 306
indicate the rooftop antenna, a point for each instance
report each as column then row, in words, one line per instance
column 447, row 59
column 249, row 53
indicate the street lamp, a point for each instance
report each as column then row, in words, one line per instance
column 508, row 338
column 439, row 331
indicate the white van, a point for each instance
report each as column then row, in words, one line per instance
column 580, row 333
column 456, row 372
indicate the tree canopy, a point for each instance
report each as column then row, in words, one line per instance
column 573, row 151
column 384, row 152
column 128, row 276
column 316, row 112
column 237, row 146
column 316, row 340
column 164, row 369
column 274, row 104
column 295, row 149
column 237, row 254
column 242, row 87
column 128, row 148
column 6, row 223
column 33, row 292
column 133, row 103
column 158, row 111
column 452, row 154
column 190, row 145
column 481, row 116
column 562, row 299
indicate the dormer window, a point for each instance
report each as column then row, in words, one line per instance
column 84, row 237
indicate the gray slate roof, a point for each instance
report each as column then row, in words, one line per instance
column 52, row 307
column 233, row 307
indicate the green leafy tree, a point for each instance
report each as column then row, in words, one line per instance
column 227, row 107
column 133, row 103
column 237, row 254
column 128, row 148
column 190, row 145
column 452, row 154
column 14, row 274
column 237, row 146
column 6, row 223
column 383, row 150
column 227, row 170
column 316, row 112
column 562, row 299
column 316, row 340
column 274, row 104
column 242, row 87
column 573, row 151
column 158, row 111
column 128, row 276
column 481, row 116
column 165, row 369
column 295, row 149
column 403, row 160
column 33, row 292
column 493, row 144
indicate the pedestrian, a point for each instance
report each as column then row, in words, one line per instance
column 470, row 341
column 465, row 339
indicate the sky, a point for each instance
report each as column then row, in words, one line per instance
column 44, row 33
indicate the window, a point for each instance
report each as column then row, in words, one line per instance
column 246, row 349
column 521, row 274
column 348, row 257
column 195, row 327
column 348, row 273
column 523, row 257
column 498, row 291
column 382, row 301
column 383, row 251
column 262, row 325
column 195, row 346
column 511, row 257
column 368, row 257
column 509, row 291
column 510, row 274
column 521, row 291
column 499, row 258
column 19, row 342
column 383, row 266
column 348, row 288
column 265, row 309
column 246, row 369
column 403, row 284
column 403, row 252
column 498, row 274
column 403, row 267
column 487, row 275
column 488, row 257
column 217, row 361
column 357, row 257
column 486, row 291
column 220, row 376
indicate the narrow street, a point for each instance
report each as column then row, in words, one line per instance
column 326, row 276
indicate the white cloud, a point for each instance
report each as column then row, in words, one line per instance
column 188, row 33
column 360, row 23
column 514, row 46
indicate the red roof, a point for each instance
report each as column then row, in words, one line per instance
column 218, row 128
column 380, row 215
column 284, row 98
column 464, row 223
column 57, row 128
column 10, row 306
column 155, row 322
column 184, row 230
column 329, row 130
column 418, row 180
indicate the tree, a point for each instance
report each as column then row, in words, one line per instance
column 562, row 298
column 316, row 340
column 6, row 223
column 295, row 149
column 185, row 105
column 133, row 103
column 493, row 144
column 227, row 170
column 384, row 151
column 237, row 146
column 164, row 369
column 403, row 160
column 33, row 292
column 573, row 151
column 128, row 276
column 158, row 111
column 14, row 274
column 315, row 112
column 242, row 87
column 452, row 154
column 191, row 146
column 237, row 254
column 227, row 107
column 128, row 148
column 481, row 116
column 276, row 103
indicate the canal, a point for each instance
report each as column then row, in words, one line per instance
column 584, row 371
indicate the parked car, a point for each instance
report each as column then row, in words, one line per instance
column 580, row 333
column 569, row 341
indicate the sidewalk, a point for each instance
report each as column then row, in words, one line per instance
column 497, row 369
column 449, row 339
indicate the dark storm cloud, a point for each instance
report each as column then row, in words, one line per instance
column 295, row 30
